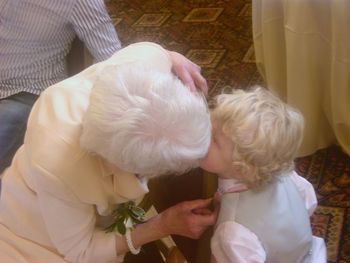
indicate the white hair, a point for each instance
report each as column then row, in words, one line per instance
column 266, row 133
column 146, row 121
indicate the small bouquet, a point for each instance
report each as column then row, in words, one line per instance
column 126, row 216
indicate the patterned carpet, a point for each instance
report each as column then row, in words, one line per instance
column 217, row 36
column 329, row 171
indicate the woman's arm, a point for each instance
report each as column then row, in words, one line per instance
column 156, row 57
column 180, row 219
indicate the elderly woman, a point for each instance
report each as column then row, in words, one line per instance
column 92, row 143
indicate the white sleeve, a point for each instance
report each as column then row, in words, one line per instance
column 69, row 222
column 233, row 242
column 319, row 250
column 149, row 53
column 307, row 192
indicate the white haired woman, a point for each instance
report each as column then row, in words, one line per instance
column 92, row 143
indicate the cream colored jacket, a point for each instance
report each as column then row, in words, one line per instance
column 56, row 197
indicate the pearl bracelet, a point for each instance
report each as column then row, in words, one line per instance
column 131, row 247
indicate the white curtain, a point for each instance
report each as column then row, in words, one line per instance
column 302, row 49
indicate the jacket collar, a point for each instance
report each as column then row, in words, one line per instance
column 125, row 184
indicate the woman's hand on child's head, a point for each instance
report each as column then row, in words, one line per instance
column 188, row 72
column 189, row 219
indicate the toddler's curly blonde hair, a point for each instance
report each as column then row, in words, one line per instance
column 266, row 133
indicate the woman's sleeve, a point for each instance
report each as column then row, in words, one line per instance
column 69, row 222
column 149, row 54
column 71, row 227
column 233, row 242
column 307, row 192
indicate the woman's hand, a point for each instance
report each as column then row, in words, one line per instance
column 188, row 72
column 189, row 219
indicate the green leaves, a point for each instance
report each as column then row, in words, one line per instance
column 126, row 215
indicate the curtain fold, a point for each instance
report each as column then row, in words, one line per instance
column 302, row 49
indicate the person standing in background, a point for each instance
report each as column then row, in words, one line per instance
column 35, row 39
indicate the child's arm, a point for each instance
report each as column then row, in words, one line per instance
column 307, row 192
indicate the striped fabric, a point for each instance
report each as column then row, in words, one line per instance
column 36, row 35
